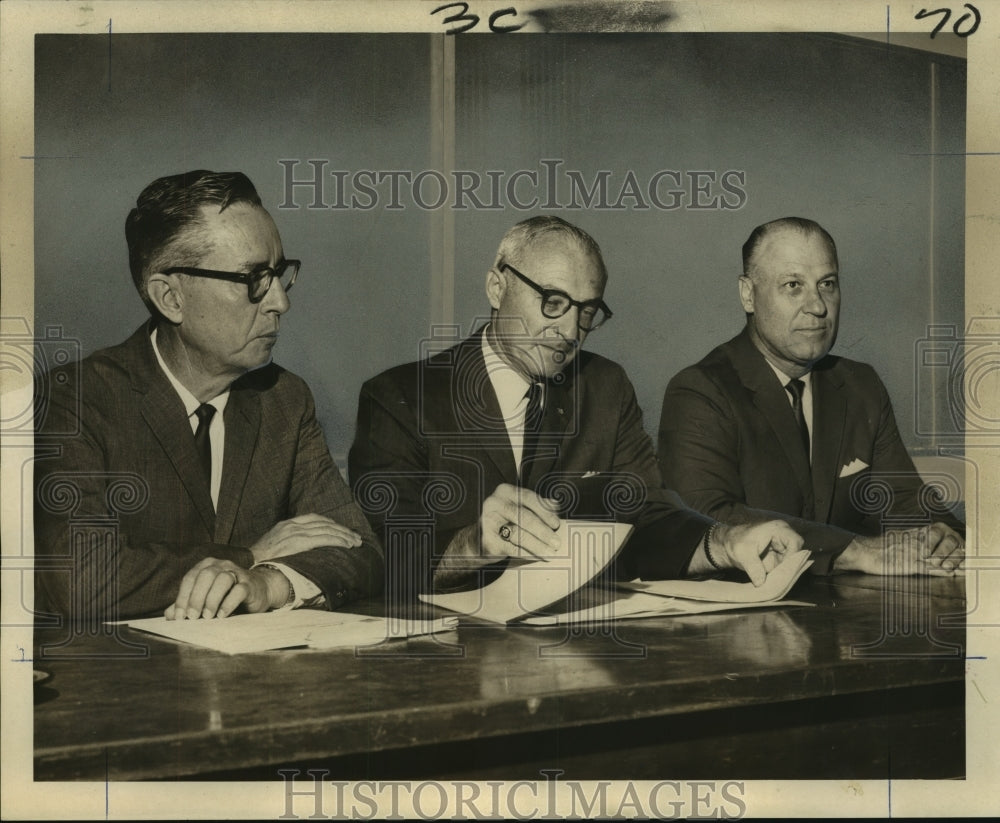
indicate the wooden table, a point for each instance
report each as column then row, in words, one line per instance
column 868, row 683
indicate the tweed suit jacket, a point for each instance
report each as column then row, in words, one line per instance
column 729, row 444
column 114, row 440
column 437, row 423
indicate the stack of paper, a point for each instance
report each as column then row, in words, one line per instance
column 678, row 597
column 293, row 628
column 778, row 583
column 587, row 549
column 524, row 590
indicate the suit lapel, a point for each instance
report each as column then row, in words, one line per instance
column 164, row 413
column 778, row 411
column 771, row 399
column 829, row 418
column 242, row 428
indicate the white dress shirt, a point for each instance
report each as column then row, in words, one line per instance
column 304, row 588
column 512, row 393
column 217, row 428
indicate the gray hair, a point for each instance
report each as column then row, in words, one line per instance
column 521, row 235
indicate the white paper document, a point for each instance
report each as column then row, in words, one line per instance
column 587, row 549
column 523, row 590
column 635, row 605
column 658, row 598
column 778, row 583
column 292, row 628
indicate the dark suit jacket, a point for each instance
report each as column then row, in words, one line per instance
column 114, row 449
column 729, row 445
column 431, row 446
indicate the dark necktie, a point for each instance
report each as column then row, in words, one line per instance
column 202, row 442
column 795, row 389
column 532, row 424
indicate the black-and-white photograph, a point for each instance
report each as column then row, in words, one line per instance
column 496, row 410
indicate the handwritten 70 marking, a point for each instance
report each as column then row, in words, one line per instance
column 957, row 25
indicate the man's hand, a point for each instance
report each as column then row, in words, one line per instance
column 946, row 548
column 307, row 531
column 934, row 549
column 214, row 588
column 530, row 524
column 755, row 549
column 516, row 522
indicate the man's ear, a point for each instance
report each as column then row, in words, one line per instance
column 164, row 293
column 746, row 293
column 496, row 287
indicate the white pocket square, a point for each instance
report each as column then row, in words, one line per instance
column 590, row 474
column 853, row 467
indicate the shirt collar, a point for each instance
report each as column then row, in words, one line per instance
column 785, row 379
column 190, row 402
column 510, row 385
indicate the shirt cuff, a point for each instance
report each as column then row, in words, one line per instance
column 304, row 591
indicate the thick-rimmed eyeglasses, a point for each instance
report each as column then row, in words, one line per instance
column 258, row 282
column 555, row 303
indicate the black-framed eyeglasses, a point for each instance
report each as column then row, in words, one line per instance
column 258, row 281
column 555, row 303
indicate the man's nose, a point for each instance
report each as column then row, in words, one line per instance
column 815, row 304
column 276, row 300
column 568, row 325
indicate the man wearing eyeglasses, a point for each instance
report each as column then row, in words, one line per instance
column 207, row 453
column 477, row 436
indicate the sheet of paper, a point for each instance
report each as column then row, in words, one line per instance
column 778, row 583
column 314, row 628
column 587, row 549
column 635, row 605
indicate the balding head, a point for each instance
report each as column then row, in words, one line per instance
column 547, row 231
column 800, row 224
